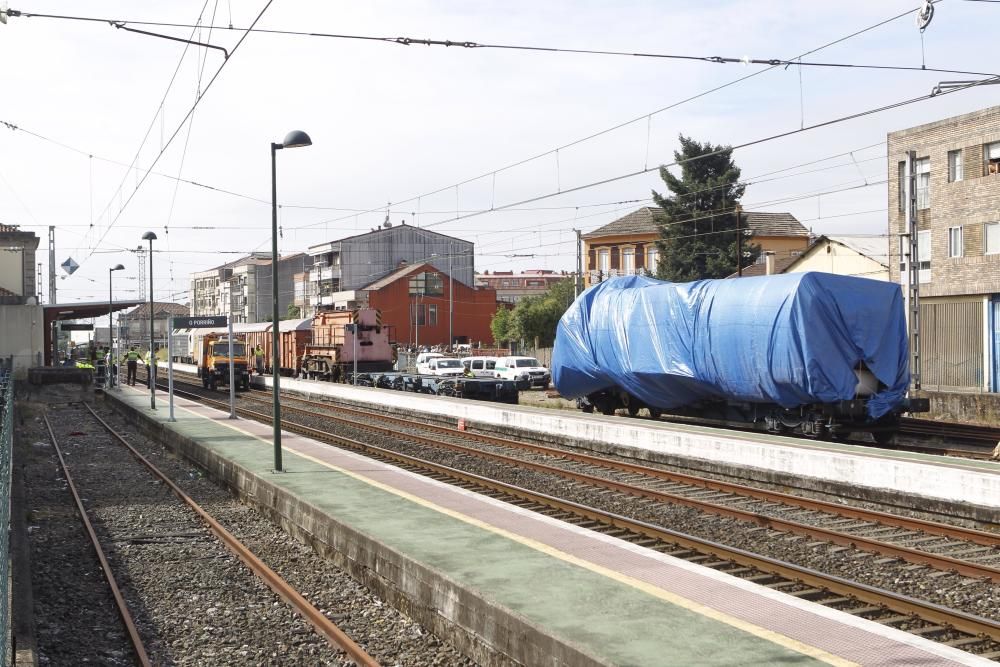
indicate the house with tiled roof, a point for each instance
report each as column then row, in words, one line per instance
column 627, row 246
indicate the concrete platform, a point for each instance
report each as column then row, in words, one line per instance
column 509, row 586
column 922, row 482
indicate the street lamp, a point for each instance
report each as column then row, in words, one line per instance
column 111, row 327
column 293, row 139
column 150, row 236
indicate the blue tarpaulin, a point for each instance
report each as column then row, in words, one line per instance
column 789, row 339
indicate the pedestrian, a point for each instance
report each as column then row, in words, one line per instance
column 258, row 357
column 151, row 367
column 133, row 362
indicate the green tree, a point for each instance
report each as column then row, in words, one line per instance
column 294, row 312
column 536, row 318
column 698, row 219
column 501, row 326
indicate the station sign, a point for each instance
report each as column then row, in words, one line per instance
column 68, row 326
column 200, row 322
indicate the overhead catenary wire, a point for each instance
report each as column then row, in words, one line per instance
column 641, row 118
column 181, row 125
column 471, row 45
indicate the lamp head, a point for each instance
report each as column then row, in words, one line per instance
column 149, row 236
column 119, row 267
column 296, row 138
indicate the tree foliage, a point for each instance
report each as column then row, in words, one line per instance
column 534, row 318
column 698, row 219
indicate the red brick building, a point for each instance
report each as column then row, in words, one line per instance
column 414, row 301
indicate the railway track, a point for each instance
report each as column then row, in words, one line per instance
column 966, row 440
column 647, row 485
column 105, row 541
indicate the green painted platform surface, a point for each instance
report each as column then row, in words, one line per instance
column 608, row 619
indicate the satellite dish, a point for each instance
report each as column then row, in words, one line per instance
column 925, row 14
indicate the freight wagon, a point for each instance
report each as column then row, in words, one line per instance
column 810, row 353
column 320, row 347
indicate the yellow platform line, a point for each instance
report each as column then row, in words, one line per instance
column 650, row 589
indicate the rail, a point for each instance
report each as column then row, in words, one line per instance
column 940, row 618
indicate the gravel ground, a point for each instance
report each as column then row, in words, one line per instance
column 195, row 604
column 951, row 590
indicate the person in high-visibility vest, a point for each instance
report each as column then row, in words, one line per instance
column 132, row 358
column 258, row 357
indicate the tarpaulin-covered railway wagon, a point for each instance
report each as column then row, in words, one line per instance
column 331, row 353
column 812, row 353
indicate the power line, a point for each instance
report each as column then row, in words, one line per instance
column 643, row 118
column 181, row 125
column 470, row 45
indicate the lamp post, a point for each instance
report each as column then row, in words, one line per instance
column 111, row 327
column 293, row 139
column 150, row 236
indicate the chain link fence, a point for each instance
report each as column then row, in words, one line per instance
column 6, row 447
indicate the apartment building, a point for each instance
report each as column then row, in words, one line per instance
column 340, row 269
column 17, row 266
column 242, row 287
column 958, row 238
column 627, row 246
column 511, row 287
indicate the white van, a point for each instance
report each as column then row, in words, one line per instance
column 524, row 370
column 480, row 367
column 439, row 365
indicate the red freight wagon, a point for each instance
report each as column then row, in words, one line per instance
column 295, row 336
column 332, row 349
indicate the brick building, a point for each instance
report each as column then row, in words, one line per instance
column 627, row 246
column 414, row 301
column 512, row 287
column 958, row 222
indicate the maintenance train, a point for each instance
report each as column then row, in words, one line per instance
column 816, row 354
column 321, row 347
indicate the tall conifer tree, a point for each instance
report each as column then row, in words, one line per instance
column 697, row 220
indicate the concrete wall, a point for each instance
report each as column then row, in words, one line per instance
column 21, row 336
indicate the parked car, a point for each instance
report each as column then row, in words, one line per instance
column 480, row 367
column 526, row 371
column 440, row 366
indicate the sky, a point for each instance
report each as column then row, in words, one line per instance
column 443, row 137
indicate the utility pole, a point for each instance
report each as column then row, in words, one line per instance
column 52, row 264
column 451, row 301
column 578, row 282
column 140, row 254
column 739, row 243
column 913, row 266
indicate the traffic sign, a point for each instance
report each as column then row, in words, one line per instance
column 69, row 266
column 200, row 322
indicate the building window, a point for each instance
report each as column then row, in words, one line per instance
column 604, row 260
column 955, row 242
column 954, row 166
column 924, row 183
column 417, row 313
column 432, row 315
column 992, row 234
column 628, row 260
column 652, row 258
column 534, row 283
column 902, row 187
column 923, row 250
column 991, row 155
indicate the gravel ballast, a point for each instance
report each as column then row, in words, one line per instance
column 193, row 601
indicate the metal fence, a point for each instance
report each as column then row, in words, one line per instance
column 6, row 447
column 951, row 334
